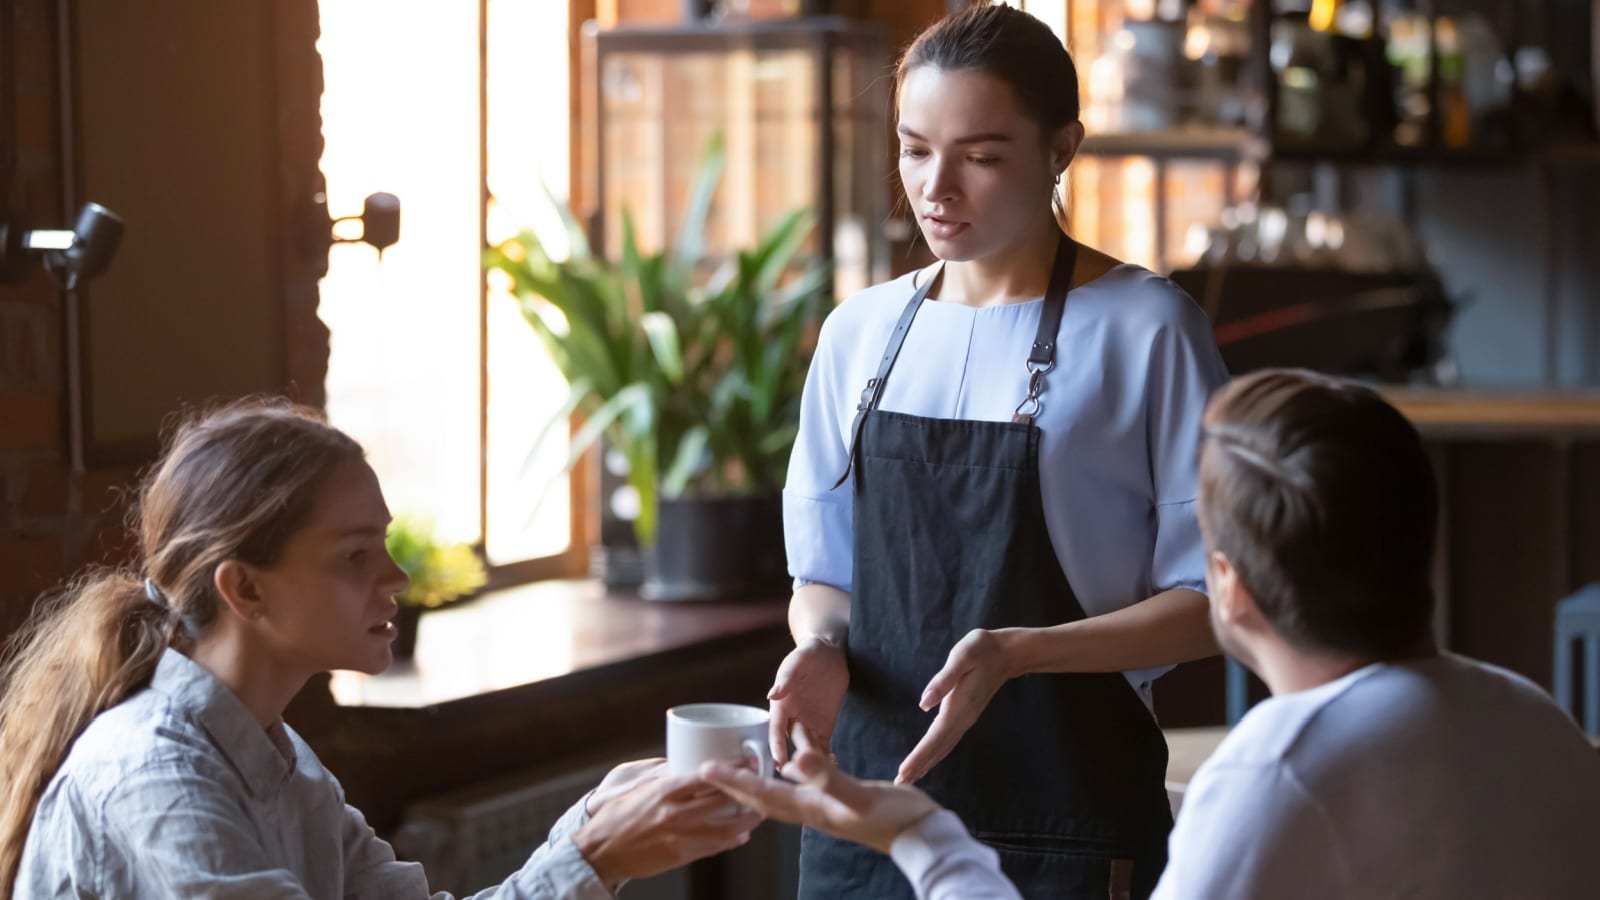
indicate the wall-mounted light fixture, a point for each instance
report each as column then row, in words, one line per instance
column 380, row 224
column 71, row 257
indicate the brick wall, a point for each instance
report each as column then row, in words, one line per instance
column 54, row 520
column 44, row 528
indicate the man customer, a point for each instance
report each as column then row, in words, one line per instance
column 1380, row 767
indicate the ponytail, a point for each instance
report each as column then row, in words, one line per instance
column 233, row 484
column 84, row 651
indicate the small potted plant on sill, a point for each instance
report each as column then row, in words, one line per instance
column 692, row 372
column 440, row 574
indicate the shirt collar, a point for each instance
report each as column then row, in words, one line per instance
column 264, row 758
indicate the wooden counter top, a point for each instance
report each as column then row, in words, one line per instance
column 1498, row 413
column 545, row 631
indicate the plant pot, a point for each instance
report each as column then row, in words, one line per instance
column 718, row 548
column 620, row 567
column 405, row 639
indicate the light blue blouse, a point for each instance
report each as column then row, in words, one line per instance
column 1135, row 364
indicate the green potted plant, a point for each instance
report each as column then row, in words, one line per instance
column 440, row 573
column 692, row 372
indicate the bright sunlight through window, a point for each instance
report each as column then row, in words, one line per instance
column 400, row 114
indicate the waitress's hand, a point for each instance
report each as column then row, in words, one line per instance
column 807, row 692
column 975, row 670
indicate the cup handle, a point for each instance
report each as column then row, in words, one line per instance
column 762, row 754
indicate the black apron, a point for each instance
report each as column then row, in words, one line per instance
column 1063, row 775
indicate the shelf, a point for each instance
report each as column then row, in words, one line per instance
column 1442, row 412
column 1577, row 153
column 1240, row 145
column 1397, row 156
column 1227, row 144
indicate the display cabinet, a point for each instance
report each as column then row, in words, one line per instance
column 802, row 105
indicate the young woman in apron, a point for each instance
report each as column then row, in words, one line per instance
column 990, row 507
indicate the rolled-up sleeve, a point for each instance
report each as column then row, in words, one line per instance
column 556, row 871
column 1186, row 369
column 817, row 523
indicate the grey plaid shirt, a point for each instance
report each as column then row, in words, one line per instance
column 178, row 792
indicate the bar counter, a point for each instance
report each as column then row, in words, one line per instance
column 1440, row 413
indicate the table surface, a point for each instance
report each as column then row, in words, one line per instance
column 1187, row 749
column 1455, row 411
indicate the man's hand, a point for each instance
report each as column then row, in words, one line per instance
column 872, row 813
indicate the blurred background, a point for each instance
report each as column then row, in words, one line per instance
column 1402, row 191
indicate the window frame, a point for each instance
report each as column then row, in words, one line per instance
column 583, row 480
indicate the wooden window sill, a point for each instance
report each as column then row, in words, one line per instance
column 543, row 633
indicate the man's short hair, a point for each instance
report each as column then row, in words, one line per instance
column 1322, row 497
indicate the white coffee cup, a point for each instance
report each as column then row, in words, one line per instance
column 702, row 732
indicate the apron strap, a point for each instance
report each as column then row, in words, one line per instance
column 1055, row 302
column 873, row 392
column 1041, row 358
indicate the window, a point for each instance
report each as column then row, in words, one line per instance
column 446, row 387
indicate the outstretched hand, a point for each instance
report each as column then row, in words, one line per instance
column 872, row 813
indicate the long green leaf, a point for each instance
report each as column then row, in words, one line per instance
column 577, row 239
column 580, row 352
column 577, row 393
column 642, row 477
column 595, row 425
column 776, row 251
column 691, row 239
column 686, row 462
column 662, row 333
column 623, row 404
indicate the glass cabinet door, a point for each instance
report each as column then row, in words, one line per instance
column 803, row 117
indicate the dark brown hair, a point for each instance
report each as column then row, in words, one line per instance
column 1321, row 495
column 233, row 484
column 1007, row 44
column 1012, row 46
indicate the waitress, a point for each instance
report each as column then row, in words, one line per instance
column 990, row 506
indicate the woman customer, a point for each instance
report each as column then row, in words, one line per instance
column 141, row 726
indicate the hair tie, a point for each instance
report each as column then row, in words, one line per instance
column 161, row 601
column 154, row 595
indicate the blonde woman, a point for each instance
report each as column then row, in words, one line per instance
column 141, row 726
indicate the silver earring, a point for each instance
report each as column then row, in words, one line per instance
column 1058, row 179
